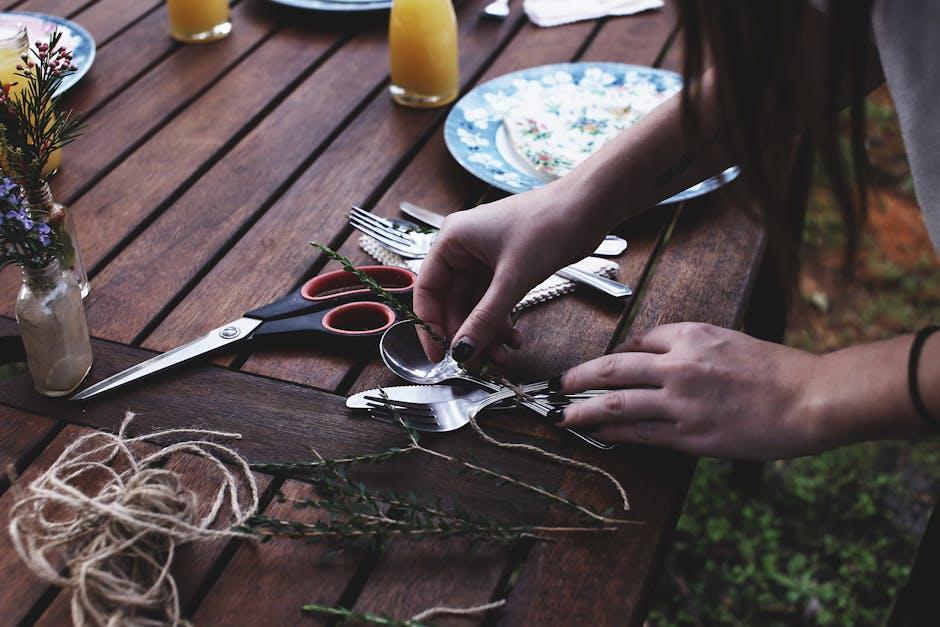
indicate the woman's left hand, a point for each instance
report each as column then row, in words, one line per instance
column 703, row 390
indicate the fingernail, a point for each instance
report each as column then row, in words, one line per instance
column 557, row 415
column 462, row 350
column 555, row 383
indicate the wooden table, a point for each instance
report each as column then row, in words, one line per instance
column 205, row 172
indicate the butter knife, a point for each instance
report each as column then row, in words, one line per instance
column 612, row 246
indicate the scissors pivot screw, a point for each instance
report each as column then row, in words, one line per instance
column 229, row 332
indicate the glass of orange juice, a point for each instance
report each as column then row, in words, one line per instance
column 14, row 43
column 197, row 21
column 422, row 38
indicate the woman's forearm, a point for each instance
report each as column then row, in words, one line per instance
column 861, row 393
column 646, row 163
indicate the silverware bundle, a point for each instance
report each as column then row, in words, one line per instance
column 415, row 243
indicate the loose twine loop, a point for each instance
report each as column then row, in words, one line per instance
column 114, row 518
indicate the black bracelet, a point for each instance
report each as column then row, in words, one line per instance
column 912, row 385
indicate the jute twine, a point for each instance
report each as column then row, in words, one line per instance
column 105, row 520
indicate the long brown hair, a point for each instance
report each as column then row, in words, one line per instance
column 772, row 88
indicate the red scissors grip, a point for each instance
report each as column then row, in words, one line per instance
column 340, row 282
column 363, row 318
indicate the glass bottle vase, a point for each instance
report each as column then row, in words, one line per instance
column 51, row 318
column 59, row 218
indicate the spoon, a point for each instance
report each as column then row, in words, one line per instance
column 403, row 354
column 498, row 9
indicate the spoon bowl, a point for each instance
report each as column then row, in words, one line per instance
column 403, row 354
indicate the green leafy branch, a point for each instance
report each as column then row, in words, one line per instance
column 404, row 310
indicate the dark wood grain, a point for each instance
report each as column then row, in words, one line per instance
column 704, row 274
column 315, row 207
column 102, row 18
column 18, row 593
column 106, row 18
column 235, row 189
column 278, row 421
column 283, row 576
column 139, row 110
column 148, row 103
column 178, row 151
column 22, row 437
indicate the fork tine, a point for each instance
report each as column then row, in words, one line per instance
column 410, row 414
column 396, row 403
column 382, row 226
column 390, row 244
column 419, row 420
column 376, row 218
column 379, row 232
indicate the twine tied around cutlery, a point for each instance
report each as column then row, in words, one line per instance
column 113, row 517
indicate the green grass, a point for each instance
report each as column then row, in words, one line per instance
column 828, row 543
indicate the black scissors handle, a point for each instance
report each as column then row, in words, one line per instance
column 361, row 319
column 336, row 288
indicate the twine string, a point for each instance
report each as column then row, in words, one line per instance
column 114, row 518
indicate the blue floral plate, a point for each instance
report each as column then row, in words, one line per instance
column 40, row 26
column 478, row 139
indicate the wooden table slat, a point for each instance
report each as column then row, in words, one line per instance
column 19, row 593
column 320, row 575
column 22, row 437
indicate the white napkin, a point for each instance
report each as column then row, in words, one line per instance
column 557, row 12
column 552, row 287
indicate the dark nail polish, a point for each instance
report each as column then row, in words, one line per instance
column 462, row 350
column 556, row 415
column 554, row 384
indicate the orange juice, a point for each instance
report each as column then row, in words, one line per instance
column 196, row 21
column 422, row 38
column 13, row 44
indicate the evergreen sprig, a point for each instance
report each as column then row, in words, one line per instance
column 404, row 310
column 33, row 127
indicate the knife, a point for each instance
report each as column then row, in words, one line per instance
column 612, row 246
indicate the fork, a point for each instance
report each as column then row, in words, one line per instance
column 450, row 415
column 417, row 246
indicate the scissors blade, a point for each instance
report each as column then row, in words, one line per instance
column 213, row 340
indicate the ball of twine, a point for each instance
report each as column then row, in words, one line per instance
column 105, row 520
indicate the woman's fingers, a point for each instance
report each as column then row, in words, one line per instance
column 652, row 432
column 617, row 370
column 657, row 340
column 618, row 407
column 489, row 319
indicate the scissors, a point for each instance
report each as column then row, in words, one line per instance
column 334, row 304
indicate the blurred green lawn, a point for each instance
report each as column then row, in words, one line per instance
column 832, row 537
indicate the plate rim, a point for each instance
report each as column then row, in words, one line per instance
column 78, row 28
column 336, row 7
column 451, row 124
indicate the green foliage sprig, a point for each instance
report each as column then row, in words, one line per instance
column 31, row 126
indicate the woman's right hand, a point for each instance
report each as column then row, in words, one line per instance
column 485, row 260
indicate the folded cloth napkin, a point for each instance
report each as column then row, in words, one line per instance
column 557, row 12
column 552, row 287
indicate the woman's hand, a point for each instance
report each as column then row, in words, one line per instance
column 485, row 260
column 703, row 390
